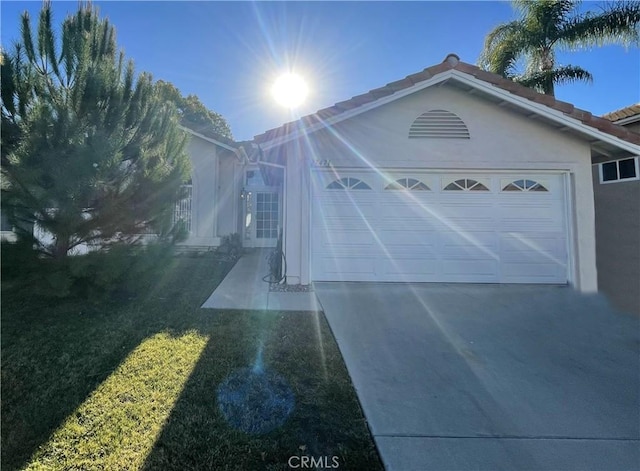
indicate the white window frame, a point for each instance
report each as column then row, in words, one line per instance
column 618, row 180
column 269, row 211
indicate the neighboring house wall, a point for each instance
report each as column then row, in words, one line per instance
column 500, row 139
column 617, row 208
column 617, row 205
column 635, row 127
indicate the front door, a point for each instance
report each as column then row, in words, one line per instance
column 267, row 218
column 262, row 212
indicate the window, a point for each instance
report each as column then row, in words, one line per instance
column 182, row 210
column 465, row 184
column 524, row 185
column 348, row 183
column 407, row 184
column 267, row 216
column 626, row 169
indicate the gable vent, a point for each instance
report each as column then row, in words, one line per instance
column 438, row 124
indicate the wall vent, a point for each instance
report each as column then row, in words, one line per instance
column 438, row 124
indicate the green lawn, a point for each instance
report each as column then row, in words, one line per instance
column 133, row 384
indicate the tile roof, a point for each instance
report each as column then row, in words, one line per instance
column 452, row 61
column 623, row 113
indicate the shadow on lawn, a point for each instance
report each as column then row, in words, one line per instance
column 55, row 354
column 48, row 379
column 325, row 420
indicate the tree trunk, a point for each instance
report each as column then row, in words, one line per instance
column 547, row 68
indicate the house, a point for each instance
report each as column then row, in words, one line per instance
column 616, row 188
column 227, row 193
column 452, row 174
column 209, row 209
column 224, row 195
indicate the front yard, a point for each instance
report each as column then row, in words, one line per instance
column 157, row 383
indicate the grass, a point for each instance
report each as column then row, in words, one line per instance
column 133, row 384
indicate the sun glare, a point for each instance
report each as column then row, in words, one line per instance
column 290, row 90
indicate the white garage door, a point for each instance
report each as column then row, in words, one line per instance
column 481, row 228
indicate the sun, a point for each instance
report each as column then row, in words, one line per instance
column 290, row 90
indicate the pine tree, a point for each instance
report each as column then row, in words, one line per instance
column 90, row 152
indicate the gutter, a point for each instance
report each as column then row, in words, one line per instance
column 627, row 120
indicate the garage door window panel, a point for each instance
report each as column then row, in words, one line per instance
column 348, row 183
column 524, row 186
column 410, row 184
column 466, row 184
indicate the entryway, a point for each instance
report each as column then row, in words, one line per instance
column 262, row 211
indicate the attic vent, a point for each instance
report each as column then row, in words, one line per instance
column 438, row 124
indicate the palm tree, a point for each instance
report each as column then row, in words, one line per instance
column 547, row 26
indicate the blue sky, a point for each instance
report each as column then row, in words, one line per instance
column 229, row 53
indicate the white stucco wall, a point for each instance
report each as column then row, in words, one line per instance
column 500, row 139
column 215, row 184
column 227, row 203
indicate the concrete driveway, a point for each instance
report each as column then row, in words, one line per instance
column 513, row 377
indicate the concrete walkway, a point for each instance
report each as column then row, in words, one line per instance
column 490, row 377
column 244, row 289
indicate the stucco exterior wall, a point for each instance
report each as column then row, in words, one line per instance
column 635, row 127
column 215, row 182
column 617, row 207
column 227, row 204
column 500, row 139
column 296, row 213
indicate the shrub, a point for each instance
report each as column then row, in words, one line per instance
column 231, row 246
column 120, row 271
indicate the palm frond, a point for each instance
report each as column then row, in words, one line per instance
column 545, row 16
column 502, row 48
column 616, row 24
column 544, row 80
